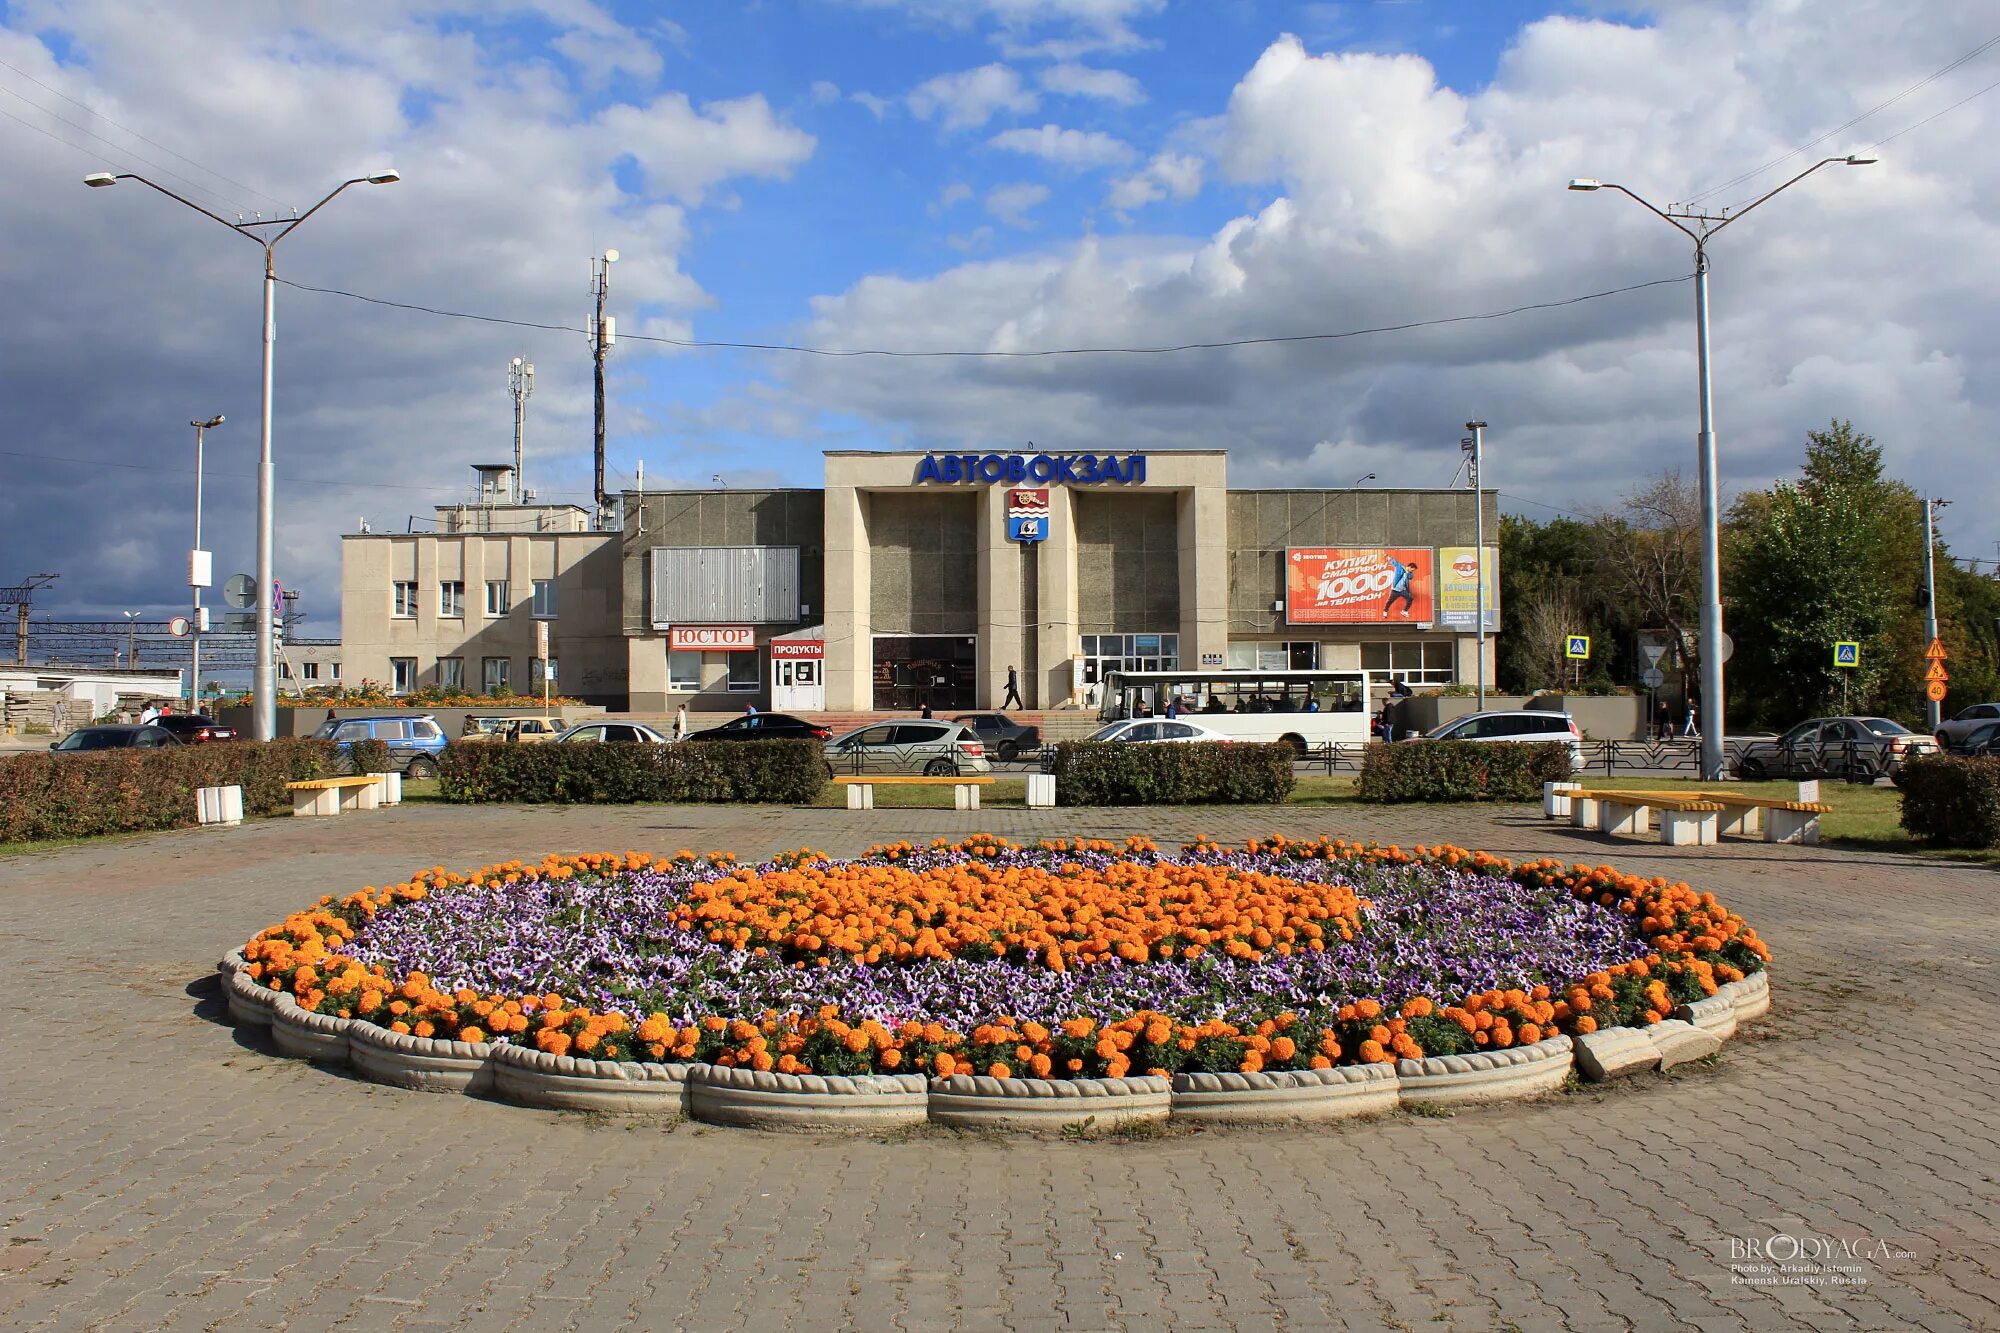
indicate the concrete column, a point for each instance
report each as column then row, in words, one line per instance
column 1204, row 571
column 850, row 656
column 1060, row 612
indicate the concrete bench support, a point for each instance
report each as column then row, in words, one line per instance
column 1800, row 826
column 1583, row 812
column 1623, row 817
column 1688, row 828
column 1556, row 799
column 365, row 794
column 860, row 796
column 1742, row 820
column 1041, row 791
column 965, row 796
column 388, row 788
column 219, row 805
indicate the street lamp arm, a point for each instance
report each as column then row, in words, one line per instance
column 235, row 227
column 1826, row 162
column 358, row 180
column 1660, row 213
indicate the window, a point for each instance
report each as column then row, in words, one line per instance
column 743, row 674
column 1300, row 655
column 545, row 599
column 451, row 672
column 351, row 731
column 1104, row 653
column 493, row 674
column 423, row 729
column 683, row 672
column 391, row 729
column 403, row 674
column 919, row 733
column 310, row 670
column 1418, row 662
column 496, row 597
column 406, row 599
column 540, row 673
column 336, row 671
column 451, row 599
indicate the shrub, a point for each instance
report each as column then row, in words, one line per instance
column 126, row 791
column 1198, row 773
column 1461, row 770
column 786, row 772
column 1952, row 801
column 371, row 756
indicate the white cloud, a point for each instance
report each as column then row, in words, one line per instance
column 969, row 98
column 1053, row 29
column 824, row 91
column 1175, row 174
column 877, row 107
column 1376, row 196
column 1067, row 79
column 1078, row 150
column 950, row 197
column 1012, row 203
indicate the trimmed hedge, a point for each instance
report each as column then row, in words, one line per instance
column 1953, row 801
column 1461, row 770
column 784, row 772
column 371, row 756
column 1196, row 773
column 128, row 791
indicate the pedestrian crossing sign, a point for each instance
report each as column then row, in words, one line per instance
column 1846, row 653
column 1578, row 648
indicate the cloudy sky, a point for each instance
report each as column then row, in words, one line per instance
column 986, row 175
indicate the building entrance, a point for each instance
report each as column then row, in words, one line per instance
column 935, row 670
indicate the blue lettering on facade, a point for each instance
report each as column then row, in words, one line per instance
column 1042, row 469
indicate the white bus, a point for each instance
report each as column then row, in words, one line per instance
column 1307, row 709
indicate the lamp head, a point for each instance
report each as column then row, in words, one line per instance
column 1586, row 184
column 386, row 176
column 97, row 180
column 1861, row 159
column 210, row 424
column 1475, row 425
column 610, row 256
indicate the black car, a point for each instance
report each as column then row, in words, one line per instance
column 764, row 727
column 1983, row 739
column 1006, row 739
column 115, row 736
column 194, row 728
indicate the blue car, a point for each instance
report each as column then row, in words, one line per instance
column 415, row 740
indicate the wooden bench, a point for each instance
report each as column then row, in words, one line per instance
column 861, row 788
column 1685, row 821
column 333, row 796
column 1781, row 820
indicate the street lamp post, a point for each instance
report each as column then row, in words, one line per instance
column 131, row 638
column 1704, row 226
column 200, row 568
column 1478, row 443
column 264, row 713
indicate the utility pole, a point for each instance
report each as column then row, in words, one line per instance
column 200, row 568
column 1932, row 712
column 1478, row 443
column 521, row 379
column 603, row 331
column 20, row 598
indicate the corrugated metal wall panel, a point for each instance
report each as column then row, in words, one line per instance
column 714, row 585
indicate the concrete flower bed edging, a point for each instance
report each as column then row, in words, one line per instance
column 1751, row 996
column 975, row 1101
column 305, row 1035
column 564, row 1083
column 250, row 1001
column 419, row 1063
column 1486, row 1076
column 1287, row 1094
column 1715, row 1015
column 760, row 1099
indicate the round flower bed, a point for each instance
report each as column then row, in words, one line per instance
column 1065, row 960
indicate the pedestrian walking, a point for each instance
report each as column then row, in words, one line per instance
column 927, row 709
column 1663, row 723
column 1692, row 728
column 148, row 714
column 1013, row 699
column 681, row 723
column 749, row 710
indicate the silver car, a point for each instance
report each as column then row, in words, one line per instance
column 909, row 745
column 1533, row 725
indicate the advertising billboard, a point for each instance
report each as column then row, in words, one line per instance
column 1458, row 588
column 1360, row 585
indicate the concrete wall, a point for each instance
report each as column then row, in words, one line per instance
column 924, row 558
column 1128, row 555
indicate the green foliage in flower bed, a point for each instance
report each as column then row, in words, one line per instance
column 1952, row 801
column 1198, row 773
column 85, row 795
column 784, row 772
column 1461, row 770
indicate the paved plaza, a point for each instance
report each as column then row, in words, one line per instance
column 160, row 1172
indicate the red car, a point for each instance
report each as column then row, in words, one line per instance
column 194, row 728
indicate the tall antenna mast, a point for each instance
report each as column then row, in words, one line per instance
column 521, row 379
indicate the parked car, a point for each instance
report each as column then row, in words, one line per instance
column 482, row 727
column 930, row 746
column 1006, row 739
column 415, row 740
column 764, row 727
column 1983, row 739
column 1859, row 749
column 532, row 730
column 115, row 736
column 1519, row 724
column 613, row 733
column 1157, row 730
column 194, row 728
column 1964, row 723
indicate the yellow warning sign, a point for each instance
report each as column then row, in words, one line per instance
column 1936, row 672
column 1936, row 652
column 1935, row 691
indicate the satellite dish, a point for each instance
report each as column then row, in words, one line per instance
column 240, row 591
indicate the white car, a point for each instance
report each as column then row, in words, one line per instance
column 1512, row 725
column 1156, row 731
column 616, row 732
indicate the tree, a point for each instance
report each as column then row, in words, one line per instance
column 1650, row 552
column 1543, row 566
column 1541, row 624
